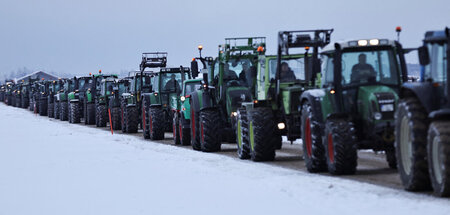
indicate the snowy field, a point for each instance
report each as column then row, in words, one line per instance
column 52, row 167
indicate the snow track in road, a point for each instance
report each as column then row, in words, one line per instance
column 53, row 167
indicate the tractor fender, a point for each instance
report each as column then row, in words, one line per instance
column 201, row 100
column 442, row 114
column 424, row 91
column 314, row 98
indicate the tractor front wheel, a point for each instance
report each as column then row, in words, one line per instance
column 100, row 116
column 439, row 157
column 185, row 132
column 209, row 130
column 175, row 130
column 116, row 118
column 195, row 134
column 341, row 148
column 242, row 134
column 43, row 107
column 63, row 111
column 131, row 119
column 157, row 125
column 263, row 135
column 74, row 112
column 313, row 149
column 56, row 109
column 90, row 113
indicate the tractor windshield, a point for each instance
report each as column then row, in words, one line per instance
column 366, row 67
column 191, row 87
column 241, row 70
column 170, row 82
column 437, row 69
column 291, row 69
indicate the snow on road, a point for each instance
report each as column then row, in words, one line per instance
column 52, row 167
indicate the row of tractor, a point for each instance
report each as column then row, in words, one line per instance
column 337, row 98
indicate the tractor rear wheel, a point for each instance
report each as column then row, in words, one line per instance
column 131, row 119
column 50, row 110
column 157, row 125
column 185, row 132
column 56, row 113
column 439, row 157
column 195, row 134
column 263, row 135
column 313, row 149
column 175, row 130
column 341, row 147
column 30, row 104
column 209, row 130
column 75, row 112
column 116, row 118
column 43, row 107
column 242, row 134
column 63, row 111
column 100, row 116
column 411, row 144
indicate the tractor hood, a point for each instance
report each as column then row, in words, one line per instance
column 235, row 97
column 377, row 103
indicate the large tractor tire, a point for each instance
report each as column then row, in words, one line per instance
column 439, row 157
column 75, row 115
column 263, row 135
column 195, row 127
column 313, row 149
column 209, row 130
column 341, row 148
column 101, row 116
column 116, row 118
column 64, row 111
column 43, row 107
column 56, row 110
column 175, row 130
column 90, row 114
column 242, row 138
column 131, row 119
column 50, row 110
column 122, row 116
column 24, row 103
column 31, row 104
column 184, row 131
column 145, row 119
column 411, row 126
column 157, row 125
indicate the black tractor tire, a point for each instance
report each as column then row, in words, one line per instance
column 157, row 125
column 75, row 115
column 43, row 107
column 242, row 137
column 64, row 111
column 341, row 148
column 175, row 130
column 195, row 126
column 56, row 110
column 24, row 103
column 90, row 114
column 101, row 116
column 439, row 157
column 185, row 132
column 390, row 157
column 313, row 148
column 263, row 134
column 50, row 110
column 145, row 119
column 209, row 130
column 131, row 116
column 122, row 117
column 411, row 127
column 31, row 105
column 116, row 118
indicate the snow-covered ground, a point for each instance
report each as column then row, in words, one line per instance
column 52, row 167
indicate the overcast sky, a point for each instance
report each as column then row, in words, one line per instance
column 82, row 36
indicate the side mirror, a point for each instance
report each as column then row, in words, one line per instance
column 424, row 56
column 194, row 69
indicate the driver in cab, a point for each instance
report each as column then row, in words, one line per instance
column 172, row 84
column 286, row 73
column 362, row 71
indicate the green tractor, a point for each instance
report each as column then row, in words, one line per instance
column 8, row 92
column 182, row 118
column 103, row 99
column 91, row 97
column 52, row 106
column 40, row 97
column 355, row 105
column 161, row 105
column 63, row 99
column 275, row 110
column 114, row 102
column 76, row 98
column 422, row 125
column 231, row 81
column 131, row 100
column 2, row 92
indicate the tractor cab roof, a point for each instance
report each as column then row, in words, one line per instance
column 359, row 44
column 138, row 73
column 437, row 36
column 241, row 46
column 174, row 70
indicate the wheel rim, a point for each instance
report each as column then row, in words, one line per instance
column 308, row 139
column 330, row 148
column 436, row 160
column 405, row 145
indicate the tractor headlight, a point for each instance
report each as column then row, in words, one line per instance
column 281, row 126
column 233, row 114
column 387, row 107
column 182, row 98
column 377, row 116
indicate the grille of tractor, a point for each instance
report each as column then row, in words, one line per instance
column 386, row 98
